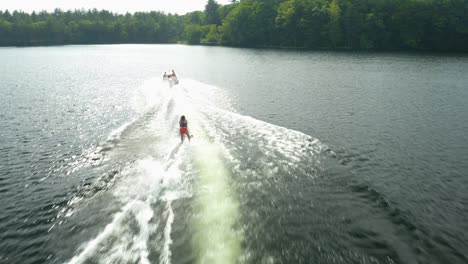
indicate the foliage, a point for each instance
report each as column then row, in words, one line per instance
column 213, row 35
column 440, row 25
column 211, row 13
column 192, row 33
column 334, row 12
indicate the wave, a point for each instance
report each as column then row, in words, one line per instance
column 142, row 169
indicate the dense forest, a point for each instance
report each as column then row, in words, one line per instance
column 437, row 25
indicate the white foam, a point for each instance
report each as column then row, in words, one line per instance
column 116, row 243
column 213, row 108
column 143, row 217
column 216, row 238
column 166, row 253
column 92, row 246
column 209, row 95
column 147, row 95
column 116, row 133
column 140, row 181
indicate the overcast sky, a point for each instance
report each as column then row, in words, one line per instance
column 119, row 6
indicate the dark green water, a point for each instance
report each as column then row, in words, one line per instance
column 298, row 157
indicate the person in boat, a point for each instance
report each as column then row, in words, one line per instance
column 183, row 128
column 173, row 77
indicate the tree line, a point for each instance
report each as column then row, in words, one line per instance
column 437, row 25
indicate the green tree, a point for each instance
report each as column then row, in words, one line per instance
column 287, row 22
column 193, row 33
column 212, row 36
column 334, row 12
column 250, row 23
column 440, row 25
column 211, row 13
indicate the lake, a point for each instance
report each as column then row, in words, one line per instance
column 296, row 156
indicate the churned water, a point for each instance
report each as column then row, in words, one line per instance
column 297, row 157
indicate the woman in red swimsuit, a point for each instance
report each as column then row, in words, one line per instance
column 183, row 128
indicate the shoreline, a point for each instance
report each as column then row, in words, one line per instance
column 258, row 47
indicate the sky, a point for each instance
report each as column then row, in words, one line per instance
column 119, row 6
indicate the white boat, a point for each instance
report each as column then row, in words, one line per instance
column 173, row 81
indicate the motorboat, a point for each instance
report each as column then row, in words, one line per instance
column 173, row 80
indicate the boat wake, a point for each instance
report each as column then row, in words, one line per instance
column 147, row 198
